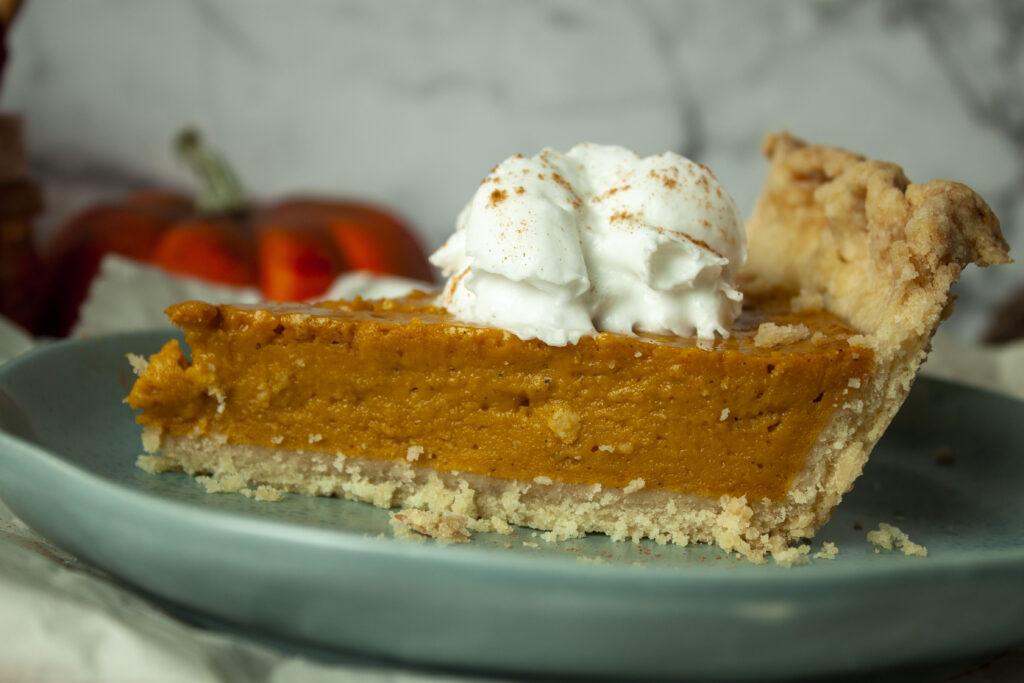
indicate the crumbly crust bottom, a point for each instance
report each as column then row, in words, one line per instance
column 563, row 510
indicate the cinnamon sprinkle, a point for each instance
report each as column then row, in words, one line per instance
column 561, row 181
column 611, row 192
column 497, row 197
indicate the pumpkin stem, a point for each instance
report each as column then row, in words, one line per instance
column 219, row 189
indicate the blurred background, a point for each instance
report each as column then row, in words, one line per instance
column 409, row 104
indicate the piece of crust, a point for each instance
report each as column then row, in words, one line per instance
column 882, row 254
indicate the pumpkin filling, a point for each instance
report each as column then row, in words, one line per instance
column 401, row 380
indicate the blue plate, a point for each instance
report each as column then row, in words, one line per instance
column 327, row 572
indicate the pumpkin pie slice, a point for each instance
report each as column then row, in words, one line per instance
column 747, row 442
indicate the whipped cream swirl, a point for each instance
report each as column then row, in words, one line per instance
column 558, row 246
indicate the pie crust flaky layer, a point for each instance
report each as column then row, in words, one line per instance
column 748, row 442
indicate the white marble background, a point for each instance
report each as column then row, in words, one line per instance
column 411, row 103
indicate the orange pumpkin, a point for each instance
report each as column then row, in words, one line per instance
column 291, row 250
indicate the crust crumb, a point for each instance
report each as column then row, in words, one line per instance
column 151, row 439
column 731, row 525
column 790, row 557
column 564, row 421
column 445, row 528
column 562, row 530
column 414, row 453
column 828, row 551
column 770, row 334
column 231, row 483
column 861, row 340
column 888, row 537
column 724, row 416
column 264, row 493
column 635, row 485
column 155, row 464
column 138, row 363
column 494, row 524
column 218, row 394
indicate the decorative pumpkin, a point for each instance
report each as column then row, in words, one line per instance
column 292, row 250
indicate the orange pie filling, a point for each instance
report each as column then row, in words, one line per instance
column 401, row 380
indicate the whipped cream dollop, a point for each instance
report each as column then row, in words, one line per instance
column 558, row 246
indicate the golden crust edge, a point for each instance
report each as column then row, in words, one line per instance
column 882, row 254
